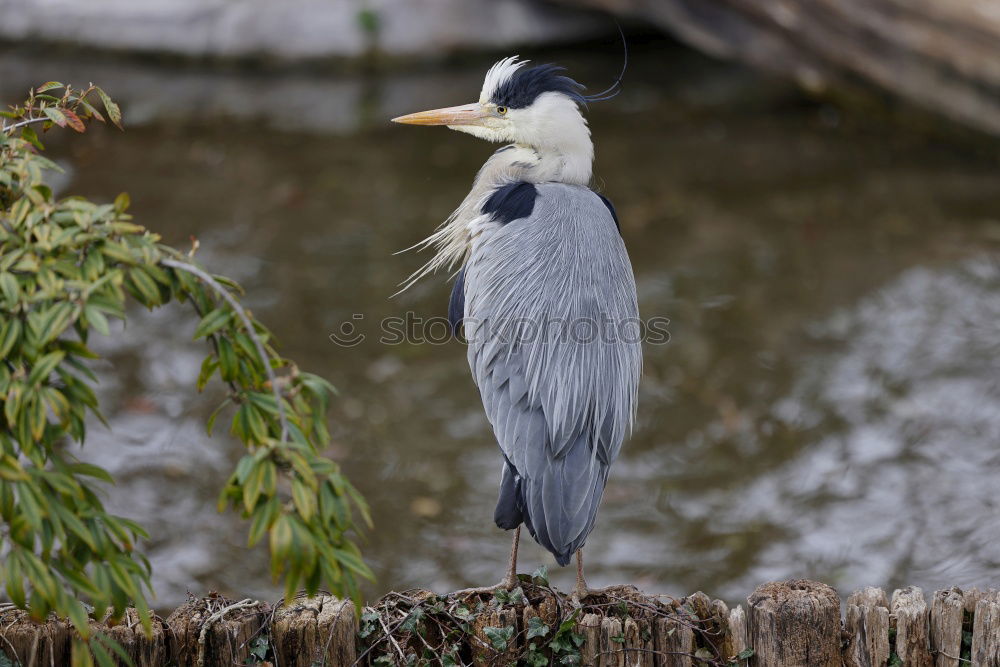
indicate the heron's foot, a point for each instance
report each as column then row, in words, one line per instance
column 581, row 593
column 508, row 583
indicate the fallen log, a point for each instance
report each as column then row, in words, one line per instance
column 942, row 55
column 785, row 624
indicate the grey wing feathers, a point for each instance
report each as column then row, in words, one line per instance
column 552, row 325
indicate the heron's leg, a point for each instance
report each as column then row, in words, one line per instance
column 582, row 591
column 510, row 581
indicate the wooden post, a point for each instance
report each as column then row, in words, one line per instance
column 638, row 643
column 313, row 631
column 947, row 614
column 674, row 641
column 30, row 643
column 131, row 637
column 795, row 624
column 738, row 633
column 912, row 627
column 867, row 626
column 612, row 643
column 590, row 628
column 215, row 631
column 483, row 652
column 986, row 631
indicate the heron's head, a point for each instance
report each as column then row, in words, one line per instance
column 533, row 106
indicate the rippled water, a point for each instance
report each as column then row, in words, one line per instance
column 828, row 405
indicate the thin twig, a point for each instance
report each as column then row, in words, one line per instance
column 29, row 121
column 392, row 639
column 234, row 304
column 203, row 635
column 953, row 657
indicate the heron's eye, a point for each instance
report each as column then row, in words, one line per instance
column 501, row 110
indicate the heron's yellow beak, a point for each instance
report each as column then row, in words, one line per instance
column 467, row 114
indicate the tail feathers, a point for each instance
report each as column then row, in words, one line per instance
column 559, row 505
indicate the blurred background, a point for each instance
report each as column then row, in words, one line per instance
column 809, row 192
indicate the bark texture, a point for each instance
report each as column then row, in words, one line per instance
column 805, row 615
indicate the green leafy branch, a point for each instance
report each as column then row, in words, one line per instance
column 68, row 267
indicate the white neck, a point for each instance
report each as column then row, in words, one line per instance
column 550, row 143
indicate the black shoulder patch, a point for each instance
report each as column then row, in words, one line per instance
column 456, row 305
column 611, row 207
column 511, row 202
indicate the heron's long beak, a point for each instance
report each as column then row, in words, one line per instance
column 467, row 114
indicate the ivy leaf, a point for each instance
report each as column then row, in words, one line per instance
column 536, row 628
column 499, row 637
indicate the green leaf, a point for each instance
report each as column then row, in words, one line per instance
column 96, row 319
column 91, row 470
column 228, row 365
column 304, row 499
column 212, row 322
column 78, row 616
column 208, row 367
column 29, row 135
column 536, row 628
column 145, row 286
column 353, row 562
column 50, row 324
column 47, row 86
column 44, row 367
column 15, row 581
column 55, row 115
column 114, row 113
column 10, row 287
column 253, row 486
column 745, row 653
column 499, row 637
column 9, row 334
column 122, row 202
column 264, row 516
column 280, row 543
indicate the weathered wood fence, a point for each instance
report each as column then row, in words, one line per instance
column 793, row 623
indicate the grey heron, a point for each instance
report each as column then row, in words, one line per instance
column 546, row 299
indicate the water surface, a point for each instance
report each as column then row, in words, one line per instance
column 828, row 405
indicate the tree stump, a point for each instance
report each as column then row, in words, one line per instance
column 638, row 643
column 867, row 625
column 29, row 643
column 912, row 627
column 589, row 628
column 738, row 639
column 130, row 635
column 986, row 631
column 795, row 624
column 947, row 614
column 612, row 643
column 483, row 650
column 215, row 631
column 317, row 630
column 674, row 641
